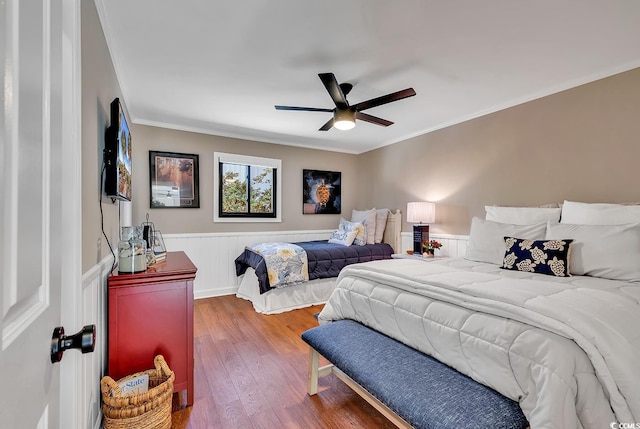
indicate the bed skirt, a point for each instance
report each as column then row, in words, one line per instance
column 288, row 298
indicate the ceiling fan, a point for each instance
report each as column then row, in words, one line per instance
column 345, row 115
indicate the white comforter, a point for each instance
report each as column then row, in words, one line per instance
column 568, row 349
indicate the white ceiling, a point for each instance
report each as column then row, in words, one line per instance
column 219, row 67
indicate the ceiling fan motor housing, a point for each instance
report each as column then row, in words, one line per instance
column 346, row 88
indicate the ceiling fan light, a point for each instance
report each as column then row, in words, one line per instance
column 344, row 119
column 344, row 125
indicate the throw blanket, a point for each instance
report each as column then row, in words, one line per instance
column 325, row 259
column 566, row 348
column 285, row 263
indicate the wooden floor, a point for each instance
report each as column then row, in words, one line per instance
column 251, row 372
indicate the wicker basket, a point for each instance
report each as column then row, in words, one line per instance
column 148, row 410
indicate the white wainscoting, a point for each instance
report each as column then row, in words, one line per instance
column 214, row 253
column 452, row 245
column 91, row 367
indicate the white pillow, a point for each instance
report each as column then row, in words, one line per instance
column 368, row 219
column 522, row 215
column 486, row 238
column 381, row 223
column 346, row 233
column 599, row 213
column 606, row 251
column 361, row 237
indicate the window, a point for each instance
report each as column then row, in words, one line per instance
column 246, row 188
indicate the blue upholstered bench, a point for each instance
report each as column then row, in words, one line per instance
column 408, row 387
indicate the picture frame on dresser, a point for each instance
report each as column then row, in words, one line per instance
column 173, row 180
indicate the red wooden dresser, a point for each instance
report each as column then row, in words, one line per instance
column 151, row 313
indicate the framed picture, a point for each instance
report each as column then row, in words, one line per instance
column 173, row 180
column 321, row 192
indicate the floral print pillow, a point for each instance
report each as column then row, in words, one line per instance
column 550, row 257
column 348, row 233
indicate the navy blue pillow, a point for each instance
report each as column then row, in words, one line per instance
column 550, row 257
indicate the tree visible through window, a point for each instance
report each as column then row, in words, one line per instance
column 247, row 187
column 247, row 190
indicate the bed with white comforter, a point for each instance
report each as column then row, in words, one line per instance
column 567, row 349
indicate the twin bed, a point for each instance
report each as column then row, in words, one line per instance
column 315, row 291
column 544, row 309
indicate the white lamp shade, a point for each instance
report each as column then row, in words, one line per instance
column 421, row 212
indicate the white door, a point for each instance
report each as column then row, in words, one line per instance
column 36, row 264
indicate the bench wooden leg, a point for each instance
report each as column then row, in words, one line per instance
column 314, row 359
column 316, row 371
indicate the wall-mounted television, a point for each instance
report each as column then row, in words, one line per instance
column 117, row 155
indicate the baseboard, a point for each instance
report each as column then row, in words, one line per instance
column 211, row 293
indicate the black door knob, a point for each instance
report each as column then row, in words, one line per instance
column 85, row 340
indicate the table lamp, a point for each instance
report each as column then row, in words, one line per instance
column 421, row 214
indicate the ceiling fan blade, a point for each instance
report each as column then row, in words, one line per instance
column 327, row 126
column 306, row 109
column 330, row 82
column 409, row 92
column 373, row 119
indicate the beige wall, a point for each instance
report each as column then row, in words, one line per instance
column 294, row 160
column 99, row 88
column 581, row 144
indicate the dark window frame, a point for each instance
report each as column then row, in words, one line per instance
column 248, row 214
column 219, row 160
